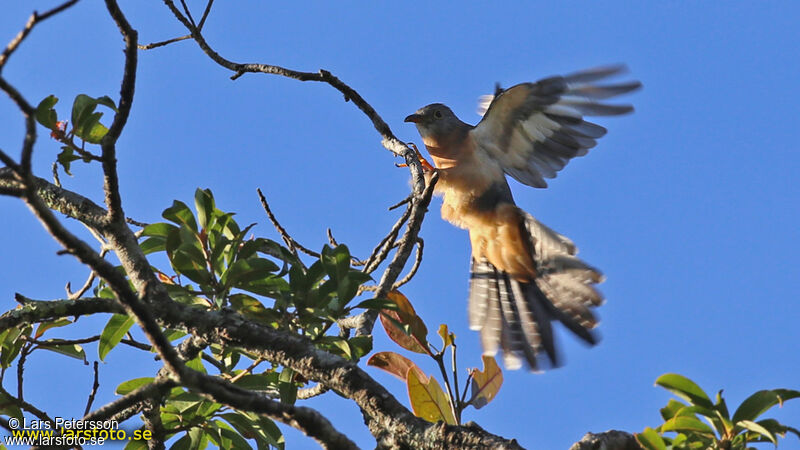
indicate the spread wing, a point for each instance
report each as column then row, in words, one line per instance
column 534, row 129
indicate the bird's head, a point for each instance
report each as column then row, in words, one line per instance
column 436, row 122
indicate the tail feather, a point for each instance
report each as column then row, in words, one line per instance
column 516, row 316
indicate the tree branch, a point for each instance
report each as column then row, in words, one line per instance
column 108, row 144
column 32, row 21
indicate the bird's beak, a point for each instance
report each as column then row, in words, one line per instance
column 416, row 118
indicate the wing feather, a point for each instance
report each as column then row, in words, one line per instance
column 534, row 129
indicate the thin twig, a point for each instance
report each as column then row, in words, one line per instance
column 108, row 144
column 57, row 342
column 290, row 242
column 401, row 203
column 32, row 21
column 95, row 387
column 381, row 251
column 414, row 267
column 419, row 207
column 205, row 15
column 246, row 371
column 331, row 239
column 136, row 222
column 163, row 43
column 187, row 12
column 25, row 406
column 23, row 356
column 56, row 181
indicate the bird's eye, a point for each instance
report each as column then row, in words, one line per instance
column 437, row 114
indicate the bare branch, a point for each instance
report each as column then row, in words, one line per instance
column 32, row 21
column 390, row 142
column 30, row 128
column 163, row 43
column 381, row 251
column 157, row 388
column 290, row 242
column 414, row 267
column 418, row 209
column 95, row 387
column 108, row 144
column 205, row 15
column 25, row 406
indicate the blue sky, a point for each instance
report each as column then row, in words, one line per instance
column 689, row 206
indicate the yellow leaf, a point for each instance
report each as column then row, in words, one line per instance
column 446, row 335
column 428, row 400
column 486, row 383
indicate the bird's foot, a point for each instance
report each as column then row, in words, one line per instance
column 426, row 166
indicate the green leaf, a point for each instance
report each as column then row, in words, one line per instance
column 721, row 406
column 228, row 437
column 11, row 344
column 360, row 346
column 171, row 335
column 66, row 157
column 159, row 229
column 129, row 386
column 8, row 406
column 252, row 308
column 116, row 328
column 181, row 214
column 685, row 389
column 687, row 424
column 649, row 439
column 185, row 401
column 204, row 205
column 82, row 108
column 286, row 386
column 94, row 132
column 756, row 428
column 336, row 261
column 44, row 326
column 107, row 101
column 196, row 364
column 134, row 444
column 258, row 382
column 45, row 114
column 71, row 350
column 153, row 245
column 194, row 439
column 672, row 408
column 786, row 394
column 190, row 261
column 245, row 271
column 251, row 426
column 377, row 303
column 755, row 405
column 270, row 286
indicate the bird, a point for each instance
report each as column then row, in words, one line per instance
column 524, row 276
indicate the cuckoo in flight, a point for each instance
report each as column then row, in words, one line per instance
column 524, row 275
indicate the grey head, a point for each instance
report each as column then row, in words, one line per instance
column 438, row 122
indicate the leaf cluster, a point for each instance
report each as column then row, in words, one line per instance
column 718, row 429
column 427, row 397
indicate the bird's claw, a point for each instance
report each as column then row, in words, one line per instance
column 426, row 166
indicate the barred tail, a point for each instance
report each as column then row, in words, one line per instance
column 517, row 316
